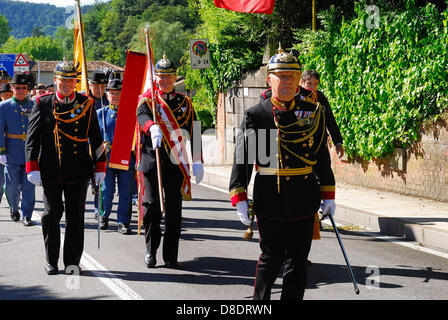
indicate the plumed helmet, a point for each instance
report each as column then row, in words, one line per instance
column 165, row 66
column 283, row 61
column 6, row 87
column 114, row 84
column 98, row 77
column 65, row 70
column 21, row 78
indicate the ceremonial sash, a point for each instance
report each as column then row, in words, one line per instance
column 174, row 139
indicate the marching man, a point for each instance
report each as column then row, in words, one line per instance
column 174, row 112
column 293, row 180
column 63, row 127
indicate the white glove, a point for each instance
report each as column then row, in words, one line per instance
column 156, row 136
column 34, row 178
column 99, row 177
column 328, row 206
column 198, row 171
column 3, row 159
column 242, row 208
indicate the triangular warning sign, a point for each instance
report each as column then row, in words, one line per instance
column 21, row 61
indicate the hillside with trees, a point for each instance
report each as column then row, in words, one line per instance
column 28, row 19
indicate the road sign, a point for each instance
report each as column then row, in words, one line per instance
column 7, row 63
column 199, row 54
column 21, row 64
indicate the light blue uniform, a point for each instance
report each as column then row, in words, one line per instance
column 13, row 129
column 122, row 177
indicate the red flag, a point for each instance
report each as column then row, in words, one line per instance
column 249, row 6
column 133, row 81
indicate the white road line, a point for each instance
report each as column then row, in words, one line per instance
column 117, row 286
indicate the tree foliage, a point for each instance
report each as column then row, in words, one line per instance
column 381, row 82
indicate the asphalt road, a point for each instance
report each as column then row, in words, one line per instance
column 217, row 264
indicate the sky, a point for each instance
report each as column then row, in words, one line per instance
column 60, row 3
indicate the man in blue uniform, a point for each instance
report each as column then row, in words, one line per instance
column 97, row 86
column 14, row 115
column 107, row 117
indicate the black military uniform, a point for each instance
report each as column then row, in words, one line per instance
column 172, row 176
column 61, row 132
column 289, row 144
column 314, row 97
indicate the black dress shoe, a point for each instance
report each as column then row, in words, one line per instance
column 172, row 265
column 27, row 222
column 104, row 223
column 15, row 216
column 150, row 260
column 51, row 270
column 123, row 228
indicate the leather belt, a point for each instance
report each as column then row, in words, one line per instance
column 285, row 172
column 16, row 136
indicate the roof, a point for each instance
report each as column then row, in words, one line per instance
column 48, row 66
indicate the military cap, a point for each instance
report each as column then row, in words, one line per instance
column 4, row 75
column 283, row 61
column 114, row 84
column 6, row 87
column 114, row 75
column 50, row 86
column 65, row 70
column 21, row 78
column 165, row 66
column 40, row 86
column 98, row 77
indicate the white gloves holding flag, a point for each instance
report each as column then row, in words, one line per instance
column 242, row 208
column 34, row 178
column 198, row 171
column 3, row 159
column 328, row 207
column 156, row 136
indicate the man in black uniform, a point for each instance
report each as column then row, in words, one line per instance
column 307, row 91
column 63, row 126
column 284, row 136
column 174, row 112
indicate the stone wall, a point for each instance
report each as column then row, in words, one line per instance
column 420, row 171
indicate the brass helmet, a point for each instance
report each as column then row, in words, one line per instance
column 283, row 61
column 165, row 66
column 65, row 70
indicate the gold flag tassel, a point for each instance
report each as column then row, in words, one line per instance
column 316, row 227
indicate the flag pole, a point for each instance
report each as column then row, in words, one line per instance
column 153, row 109
column 84, row 61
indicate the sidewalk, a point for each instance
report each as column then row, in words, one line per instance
column 421, row 220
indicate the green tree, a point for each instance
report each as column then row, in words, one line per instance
column 40, row 48
column 4, row 29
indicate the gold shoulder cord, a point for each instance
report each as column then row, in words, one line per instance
column 57, row 130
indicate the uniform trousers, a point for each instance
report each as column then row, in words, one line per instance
column 172, row 181
column 74, row 205
column 124, row 180
column 16, row 185
column 2, row 181
column 283, row 243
